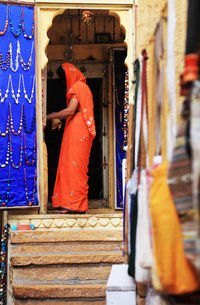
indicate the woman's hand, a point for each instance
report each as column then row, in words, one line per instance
column 56, row 124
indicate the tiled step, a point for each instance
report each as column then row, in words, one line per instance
column 59, row 291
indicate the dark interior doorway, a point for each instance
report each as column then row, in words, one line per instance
column 56, row 100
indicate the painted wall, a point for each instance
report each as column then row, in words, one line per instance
column 147, row 18
column 148, row 15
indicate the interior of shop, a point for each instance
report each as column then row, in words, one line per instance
column 93, row 41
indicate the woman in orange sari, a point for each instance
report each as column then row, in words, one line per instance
column 71, row 189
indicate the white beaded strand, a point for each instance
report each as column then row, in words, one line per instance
column 2, row 98
column 32, row 91
column 26, row 66
column 16, row 59
column 7, row 156
column 17, row 96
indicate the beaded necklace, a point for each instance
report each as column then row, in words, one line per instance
column 126, row 109
column 26, row 189
column 19, row 27
column 2, row 98
column 32, row 91
column 3, row 63
column 32, row 125
column 6, row 23
column 21, row 152
column 34, row 150
column 33, row 26
column 4, row 202
column 17, row 96
column 11, row 122
column 4, row 263
column 7, row 155
column 26, row 66
column 16, row 59
column 3, row 134
column 119, row 194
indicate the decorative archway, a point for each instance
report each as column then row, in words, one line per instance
column 45, row 15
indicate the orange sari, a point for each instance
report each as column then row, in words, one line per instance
column 71, row 188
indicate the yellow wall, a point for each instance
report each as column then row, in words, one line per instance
column 148, row 16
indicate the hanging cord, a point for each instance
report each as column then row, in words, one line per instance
column 136, row 81
column 143, row 105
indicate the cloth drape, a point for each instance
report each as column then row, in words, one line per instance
column 143, row 243
column 71, row 188
column 175, row 272
column 195, row 145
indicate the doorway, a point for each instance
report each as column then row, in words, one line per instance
column 85, row 45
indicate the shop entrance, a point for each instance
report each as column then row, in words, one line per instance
column 87, row 46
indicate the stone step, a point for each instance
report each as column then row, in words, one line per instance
column 94, row 246
column 102, row 301
column 69, row 258
column 48, row 236
column 63, row 275
column 59, row 291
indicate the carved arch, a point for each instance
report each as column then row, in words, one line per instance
column 46, row 20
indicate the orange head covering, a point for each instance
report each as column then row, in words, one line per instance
column 72, row 75
column 76, row 84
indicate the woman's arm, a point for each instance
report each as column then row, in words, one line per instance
column 65, row 113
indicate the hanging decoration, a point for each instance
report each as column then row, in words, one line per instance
column 21, row 152
column 87, row 17
column 25, row 92
column 21, row 26
column 4, row 263
column 6, row 23
column 30, row 163
column 17, row 96
column 11, row 25
column 126, row 110
column 26, row 66
column 32, row 124
column 4, row 202
column 120, row 115
column 16, row 59
column 7, row 156
column 3, row 63
column 18, row 146
column 3, row 134
column 23, row 30
column 26, row 188
column 11, row 122
column 6, row 93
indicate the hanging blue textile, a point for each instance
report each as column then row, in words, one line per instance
column 18, row 147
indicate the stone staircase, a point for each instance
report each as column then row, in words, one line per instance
column 66, row 260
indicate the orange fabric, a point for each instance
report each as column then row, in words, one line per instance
column 174, row 270
column 71, row 188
